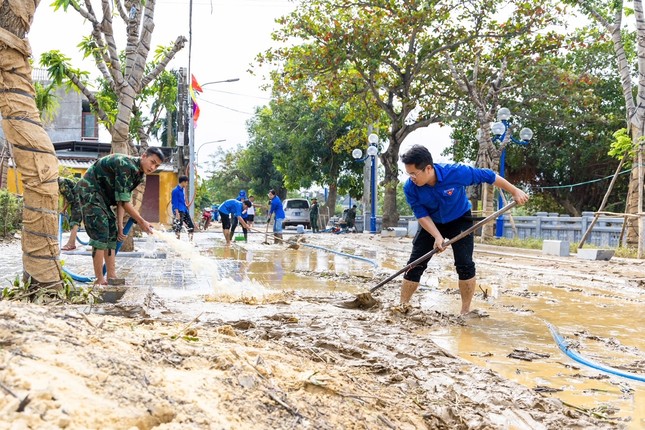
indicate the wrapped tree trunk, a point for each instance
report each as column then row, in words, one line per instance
column 33, row 151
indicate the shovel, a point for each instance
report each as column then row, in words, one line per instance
column 266, row 233
column 292, row 245
column 366, row 301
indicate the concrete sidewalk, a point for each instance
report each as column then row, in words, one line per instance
column 169, row 270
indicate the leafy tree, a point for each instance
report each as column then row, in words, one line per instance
column 124, row 75
column 226, row 175
column 310, row 140
column 489, row 71
column 571, row 99
column 390, row 56
column 609, row 16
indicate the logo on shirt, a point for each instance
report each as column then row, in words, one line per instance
column 448, row 192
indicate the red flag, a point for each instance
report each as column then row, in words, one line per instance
column 194, row 86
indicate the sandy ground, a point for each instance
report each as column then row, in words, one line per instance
column 287, row 361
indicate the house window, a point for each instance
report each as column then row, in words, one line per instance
column 90, row 128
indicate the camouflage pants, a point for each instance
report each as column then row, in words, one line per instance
column 100, row 221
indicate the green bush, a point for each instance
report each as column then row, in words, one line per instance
column 10, row 213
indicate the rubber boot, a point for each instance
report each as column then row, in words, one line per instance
column 407, row 290
column 277, row 237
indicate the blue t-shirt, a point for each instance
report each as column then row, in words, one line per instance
column 276, row 208
column 178, row 200
column 231, row 206
column 446, row 200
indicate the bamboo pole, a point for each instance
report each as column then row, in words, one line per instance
column 604, row 202
column 510, row 215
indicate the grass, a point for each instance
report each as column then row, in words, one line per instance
column 532, row 243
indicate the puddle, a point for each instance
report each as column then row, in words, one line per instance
column 609, row 326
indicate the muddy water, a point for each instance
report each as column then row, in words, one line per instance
column 609, row 327
column 608, row 323
column 282, row 269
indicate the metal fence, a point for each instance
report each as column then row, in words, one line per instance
column 553, row 226
column 545, row 226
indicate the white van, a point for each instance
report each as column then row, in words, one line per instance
column 296, row 211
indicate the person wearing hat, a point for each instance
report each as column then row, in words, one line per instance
column 313, row 215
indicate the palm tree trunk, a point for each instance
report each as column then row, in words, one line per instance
column 33, row 151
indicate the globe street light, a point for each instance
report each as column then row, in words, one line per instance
column 372, row 150
column 500, row 129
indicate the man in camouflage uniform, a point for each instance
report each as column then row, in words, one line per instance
column 66, row 188
column 107, row 183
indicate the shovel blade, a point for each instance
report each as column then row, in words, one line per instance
column 362, row 301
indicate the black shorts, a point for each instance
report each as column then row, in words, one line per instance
column 225, row 220
column 250, row 218
column 462, row 249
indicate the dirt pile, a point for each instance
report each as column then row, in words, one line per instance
column 60, row 368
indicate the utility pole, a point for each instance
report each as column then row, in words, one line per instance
column 182, row 105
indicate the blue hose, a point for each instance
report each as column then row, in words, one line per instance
column 357, row 257
column 74, row 276
column 78, row 239
column 564, row 346
column 126, row 230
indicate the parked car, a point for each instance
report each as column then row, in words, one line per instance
column 296, row 211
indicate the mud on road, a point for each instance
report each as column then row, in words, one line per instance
column 287, row 360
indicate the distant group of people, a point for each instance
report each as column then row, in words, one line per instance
column 435, row 192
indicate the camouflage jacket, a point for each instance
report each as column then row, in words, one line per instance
column 66, row 188
column 113, row 177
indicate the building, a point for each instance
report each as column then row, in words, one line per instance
column 74, row 131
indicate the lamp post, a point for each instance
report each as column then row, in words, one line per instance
column 204, row 144
column 372, row 150
column 501, row 132
column 219, row 82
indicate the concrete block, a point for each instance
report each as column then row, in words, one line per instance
column 556, row 247
column 413, row 227
column 394, row 232
column 595, row 254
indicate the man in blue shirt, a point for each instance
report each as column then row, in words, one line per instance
column 437, row 195
column 232, row 208
column 180, row 210
column 276, row 208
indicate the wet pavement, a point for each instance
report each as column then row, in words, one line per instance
column 601, row 309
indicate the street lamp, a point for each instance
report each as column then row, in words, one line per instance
column 204, row 144
column 372, row 150
column 500, row 129
column 219, row 82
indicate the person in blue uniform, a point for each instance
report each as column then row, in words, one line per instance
column 232, row 208
column 180, row 210
column 437, row 195
column 276, row 210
